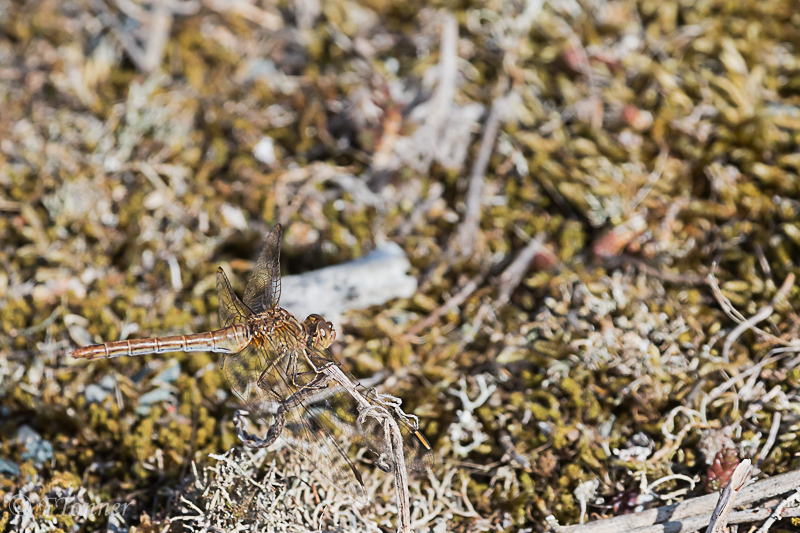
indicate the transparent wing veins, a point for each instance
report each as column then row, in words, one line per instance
column 231, row 308
column 263, row 291
column 307, row 430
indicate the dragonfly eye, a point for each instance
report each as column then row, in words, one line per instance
column 322, row 330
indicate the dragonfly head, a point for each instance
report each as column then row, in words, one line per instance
column 320, row 332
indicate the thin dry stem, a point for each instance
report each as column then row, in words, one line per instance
column 746, row 324
column 466, row 238
column 392, row 435
column 512, row 275
column 779, row 511
column 773, row 434
column 457, row 299
column 696, row 510
column 719, row 517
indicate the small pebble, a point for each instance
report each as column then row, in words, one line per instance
column 7, row 467
column 154, row 396
column 168, row 375
column 264, row 151
column 95, row 393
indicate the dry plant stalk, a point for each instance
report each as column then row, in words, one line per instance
column 380, row 408
column 392, row 431
column 466, row 238
column 782, row 511
column 719, row 518
column 695, row 513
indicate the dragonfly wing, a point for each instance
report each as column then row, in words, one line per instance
column 417, row 450
column 258, row 375
column 370, row 433
column 421, row 457
column 263, row 291
column 231, row 308
column 312, row 431
column 243, row 370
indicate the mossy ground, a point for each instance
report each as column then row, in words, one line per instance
column 646, row 144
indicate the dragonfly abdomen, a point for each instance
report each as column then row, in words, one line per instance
column 230, row 339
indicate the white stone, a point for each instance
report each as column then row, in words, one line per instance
column 264, row 151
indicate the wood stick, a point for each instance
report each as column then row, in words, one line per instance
column 466, row 238
column 781, row 511
column 679, row 512
column 696, row 523
column 719, row 518
column 453, row 302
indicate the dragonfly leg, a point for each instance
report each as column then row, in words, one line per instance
column 316, row 383
column 292, row 374
column 297, row 399
column 384, row 464
column 251, row 440
column 320, row 381
column 328, row 363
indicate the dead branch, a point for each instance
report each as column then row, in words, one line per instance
column 380, row 410
column 780, row 511
column 456, row 300
column 512, row 275
column 693, row 514
column 719, row 518
column 696, row 523
column 464, row 242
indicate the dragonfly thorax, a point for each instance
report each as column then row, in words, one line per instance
column 278, row 325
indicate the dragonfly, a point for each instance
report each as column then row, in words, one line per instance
column 283, row 370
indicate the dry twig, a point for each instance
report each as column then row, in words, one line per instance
column 779, row 511
column 692, row 514
column 513, row 273
column 382, row 408
column 456, row 300
column 463, row 245
column 728, row 497
column 773, row 434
